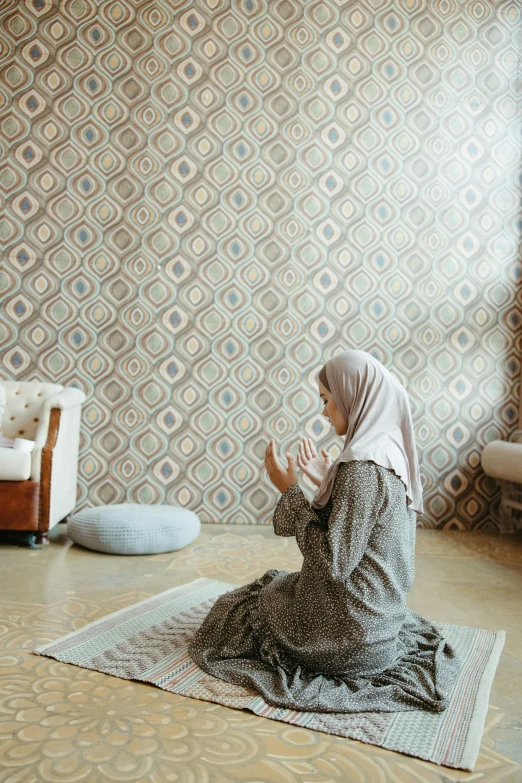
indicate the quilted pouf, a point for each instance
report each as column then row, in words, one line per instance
column 133, row 529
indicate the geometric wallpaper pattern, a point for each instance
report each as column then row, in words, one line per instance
column 202, row 202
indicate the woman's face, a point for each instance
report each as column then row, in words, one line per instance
column 331, row 412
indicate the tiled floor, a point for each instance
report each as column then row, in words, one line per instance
column 62, row 724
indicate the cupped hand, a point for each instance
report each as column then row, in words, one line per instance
column 281, row 477
column 310, row 463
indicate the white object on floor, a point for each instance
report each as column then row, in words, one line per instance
column 134, row 529
column 502, row 460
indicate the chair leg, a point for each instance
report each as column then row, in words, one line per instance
column 42, row 537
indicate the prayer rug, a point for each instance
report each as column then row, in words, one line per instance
column 148, row 642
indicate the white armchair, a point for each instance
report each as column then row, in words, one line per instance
column 502, row 460
column 38, row 488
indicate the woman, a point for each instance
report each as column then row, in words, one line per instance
column 337, row 636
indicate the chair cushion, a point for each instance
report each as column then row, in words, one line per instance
column 15, row 464
column 133, row 529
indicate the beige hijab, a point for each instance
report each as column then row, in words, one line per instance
column 380, row 428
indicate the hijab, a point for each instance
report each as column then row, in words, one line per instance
column 380, row 428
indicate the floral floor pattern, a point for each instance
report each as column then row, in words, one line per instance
column 61, row 724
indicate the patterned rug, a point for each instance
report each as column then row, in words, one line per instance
column 148, row 642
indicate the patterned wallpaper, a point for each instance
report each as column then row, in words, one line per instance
column 204, row 201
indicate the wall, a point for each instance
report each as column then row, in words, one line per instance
column 203, row 202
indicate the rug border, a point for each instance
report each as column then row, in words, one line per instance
column 471, row 749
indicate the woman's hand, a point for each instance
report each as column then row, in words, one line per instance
column 309, row 462
column 279, row 476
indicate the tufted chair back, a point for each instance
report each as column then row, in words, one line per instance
column 23, row 402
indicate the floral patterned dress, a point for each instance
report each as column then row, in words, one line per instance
column 336, row 636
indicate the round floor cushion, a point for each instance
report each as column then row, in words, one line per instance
column 133, row 529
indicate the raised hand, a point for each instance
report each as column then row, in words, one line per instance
column 309, row 462
column 281, row 477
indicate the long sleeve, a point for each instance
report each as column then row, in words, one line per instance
column 288, row 513
column 356, row 506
